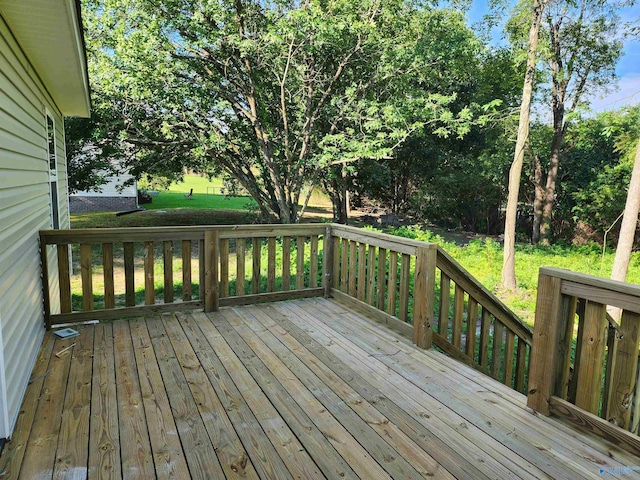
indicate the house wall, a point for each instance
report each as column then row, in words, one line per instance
column 24, row 210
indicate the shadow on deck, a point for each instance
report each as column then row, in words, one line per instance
column 297, row 389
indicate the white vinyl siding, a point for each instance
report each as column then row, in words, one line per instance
column 24, row 210
column 112, row 188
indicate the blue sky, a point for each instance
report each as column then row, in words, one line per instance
column 626, row 90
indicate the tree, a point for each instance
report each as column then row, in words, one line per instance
column 629, row 223
column 509, row 265
column 271, row 94
column 584, row 48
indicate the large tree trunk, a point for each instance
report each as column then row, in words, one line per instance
column 537, row 200
column 629, row 223
column 552, row 174
column 509, row 265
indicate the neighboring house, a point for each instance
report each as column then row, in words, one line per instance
column 43, row 78
column 111, row 197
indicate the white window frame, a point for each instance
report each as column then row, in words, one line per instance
column 54, row 200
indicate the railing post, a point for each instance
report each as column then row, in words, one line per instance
column 544, row 351
column 211, row 251
column 424, row 296
column 327, row 262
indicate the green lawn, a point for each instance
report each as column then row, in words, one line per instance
column 168, row 199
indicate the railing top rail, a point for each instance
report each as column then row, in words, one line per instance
column 593, row 281
column 384, row 240
column 484, row 296
column 195, row 232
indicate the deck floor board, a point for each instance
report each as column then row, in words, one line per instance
column 301, row 389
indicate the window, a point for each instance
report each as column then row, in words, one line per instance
column 53, row 173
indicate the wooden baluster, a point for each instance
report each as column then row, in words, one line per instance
column 612, row 357
column 286, row 263
column 472, row 325
column 168, row 271
column 335, row 254
column 485, row 334
column 496, row 353
column 328, row 262
column 211, row 258
column 508, row 358
column 86, row 274
column 257, row 260
column 382, row 277
column 313, row 263
column 149, row 282
column 65, row 278
column 201, row 269
column 241, row 249
column 423, row 297
column 393, row 283
column 300, row 263
column 624, row 374
column 224, row 267
column 405, row 271
column 458, row 310
column 271, row 264
column 591, row 366
column 521, row 365
column 186, row 270
column 107, row 272
column 371, row 276
column 344, row 266
column 352, row 268
column 129, row 279
column 362, row 271
column 565, row 340
column 445, row 296
column 573, row 383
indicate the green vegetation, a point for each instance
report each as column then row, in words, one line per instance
column 483, row 259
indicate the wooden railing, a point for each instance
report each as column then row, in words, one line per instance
column 583, row 361
column 475, row 327
column 397, row 281
column 413, row 287
column 136, row 270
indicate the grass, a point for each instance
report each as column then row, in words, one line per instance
column 483, row 259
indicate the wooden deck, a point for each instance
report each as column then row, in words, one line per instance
column 299, row 389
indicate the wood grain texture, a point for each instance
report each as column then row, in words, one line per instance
column 392, row 286
column 224, row 267
column 344, row 266
column 362, row 272
column 149, row 283
column 443, row 310
column 72, row 454
column 472, row 322
column 211, row 286
column 256, row 255
column 136, row 458
column 286, row 263
column 623, row 377
column 107, row 267
column 300, row 243
column 129, row 275
column 271, row 264
column 382, row 278
column 104, row 445
column 545, row 340
column 353, row 267
column 187, row 293
column 241, row 248
column 167, row 257
column 591, row 366
column 86, row 272
column 313, row 262
column 64, row 275
column 405, row 275
column 458, row 312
